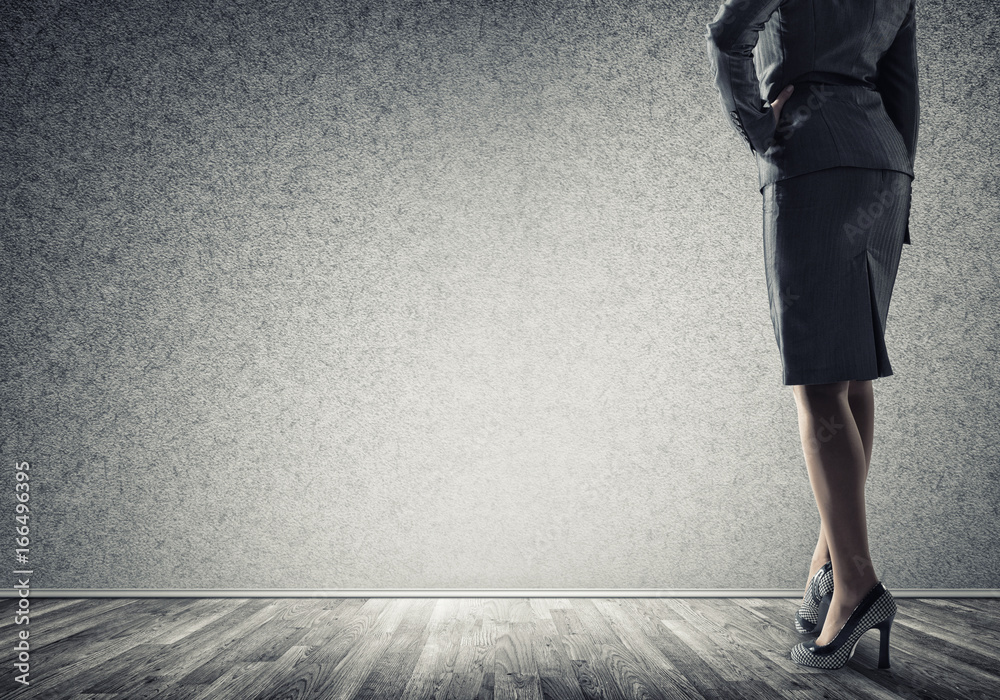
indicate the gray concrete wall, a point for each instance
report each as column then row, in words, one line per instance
column 454, row 295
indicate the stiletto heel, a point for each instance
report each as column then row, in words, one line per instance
column 883, row 649
column 876, row 610
column 812, row 613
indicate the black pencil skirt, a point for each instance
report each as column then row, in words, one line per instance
column 832, row 243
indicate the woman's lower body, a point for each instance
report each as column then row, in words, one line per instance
column 832, row 244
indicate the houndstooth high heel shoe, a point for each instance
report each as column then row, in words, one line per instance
column 875, row 611
column 816, row 603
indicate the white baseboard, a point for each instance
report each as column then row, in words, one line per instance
column 470, row 593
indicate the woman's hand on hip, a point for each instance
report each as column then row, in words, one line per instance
column 779, row 102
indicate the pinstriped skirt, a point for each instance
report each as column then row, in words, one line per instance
column 832, row 243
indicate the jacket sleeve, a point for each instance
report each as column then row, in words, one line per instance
column 896, row 80
column 732, row 36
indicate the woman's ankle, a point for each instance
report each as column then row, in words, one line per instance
column 855, row 589
column 818, row 562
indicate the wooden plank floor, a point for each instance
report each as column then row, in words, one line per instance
column 493, row 648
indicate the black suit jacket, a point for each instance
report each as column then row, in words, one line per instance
column 854, row 67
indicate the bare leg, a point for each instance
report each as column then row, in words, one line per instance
column 862, row 402
column 838, row 467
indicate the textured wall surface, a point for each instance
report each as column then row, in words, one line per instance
column 454, row 295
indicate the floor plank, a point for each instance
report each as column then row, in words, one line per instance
column 486, row 648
